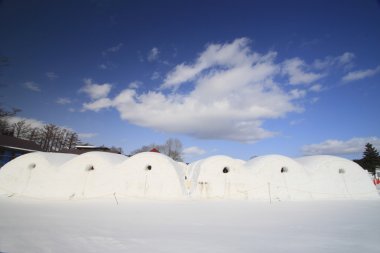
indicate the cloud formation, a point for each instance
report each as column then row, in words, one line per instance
column 360, row 74
column 345, row 60
column 32, row 86
column 153, row 54
column 193, row 151
column 296, row 69
column 51, row 75
column 95, row 91
column 63, row 101
column 340, row 147
column 232, row 92
column 227, row 92
column 113, row 49
column 87, row 135
column 32, row 122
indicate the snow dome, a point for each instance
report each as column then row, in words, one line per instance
column 91, row 174
column 338, row 178
column 218, row 177
column 277, row 178
column 151, row 175
column 32, row 174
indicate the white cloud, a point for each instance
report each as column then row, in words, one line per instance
column 361, row 74
column 63, row 101
column 296, row 70
column 153, row 54
column 345, row 60
column 97, row 105
column 230, row 55
column 316, row 88
column 155, row 75
column 32, row 86
column 193, row 151
column 87, row 135
column 107, row 65
column 95, row 91
column 296, row 122
column 232, row 92
column 339, row 147
column 296, row 93
column 314, row 100
column 112, row 49
column 51, row 75
column 103, row 66
column 32, row 122
column 134, row 85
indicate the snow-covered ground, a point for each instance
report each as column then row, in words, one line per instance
column 97, row 225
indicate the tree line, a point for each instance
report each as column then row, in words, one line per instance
column 50, row 137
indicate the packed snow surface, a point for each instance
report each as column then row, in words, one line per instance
column 150, row 175
column 188, row 226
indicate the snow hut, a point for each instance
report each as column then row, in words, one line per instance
column 338, row 178
column 151, row 175
column 218, row 177
column 91, row 174
column 277, row 178
column 32, row 174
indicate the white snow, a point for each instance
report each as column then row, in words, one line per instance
column 188, row 226
column 32, row 174
column 338, row 178
column 217, row 177
column 277, row 178
column 102, row 202
column 151, row 175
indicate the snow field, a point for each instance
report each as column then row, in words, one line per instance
column 188, row 226
column 151, row 175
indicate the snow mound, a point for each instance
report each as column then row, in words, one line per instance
column 217, row 177
column 32, row 174
column 151, row 175
column 89, row 175
column 277, row 178
column 338, row 178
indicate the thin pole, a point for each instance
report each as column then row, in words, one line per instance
column 270, row 197
column 114, row 194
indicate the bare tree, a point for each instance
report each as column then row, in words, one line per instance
column 173, row 149
column 5, row 126
column 72, row 140
column 21, row 129
column 48, row 135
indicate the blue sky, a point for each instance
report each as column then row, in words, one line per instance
column 239, row 78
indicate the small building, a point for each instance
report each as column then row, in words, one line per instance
column 12, row 147
column 154, row 150
column 78, row 150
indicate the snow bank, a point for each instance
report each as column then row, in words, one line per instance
column 32, row 174
column 277, row 178
column 151, row 175
column 218, row 177
column 338, row 178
